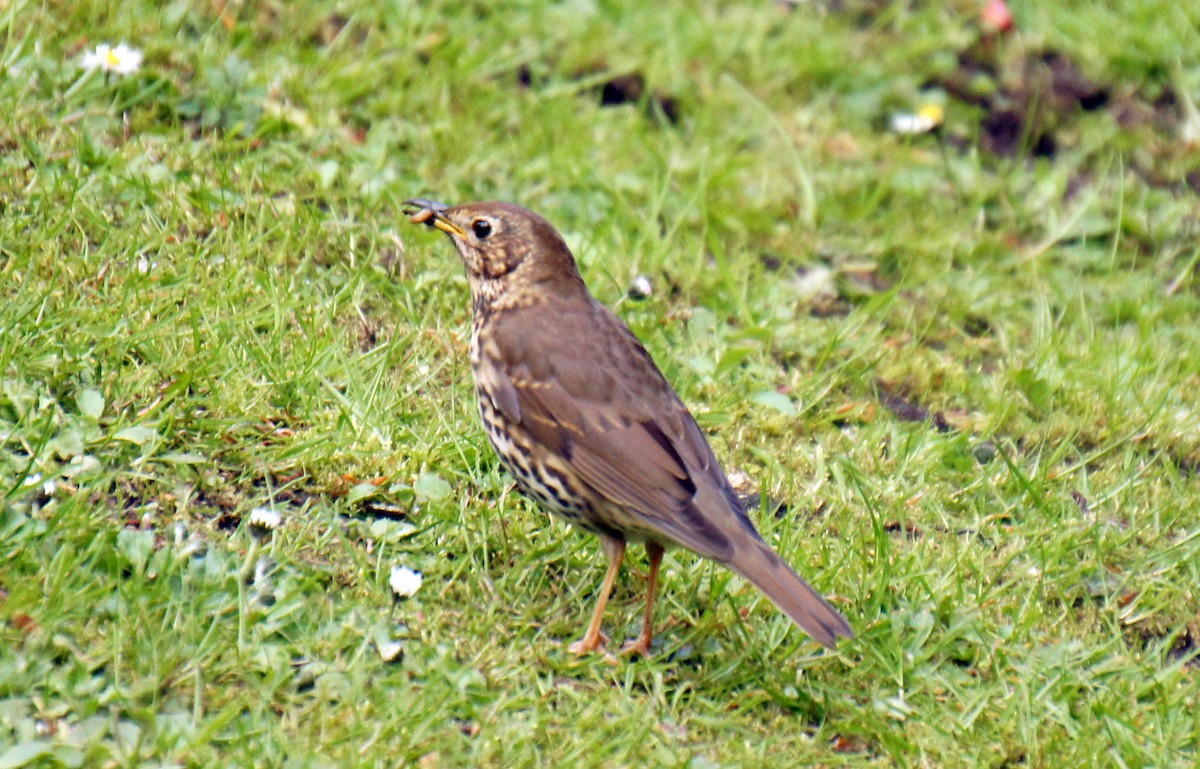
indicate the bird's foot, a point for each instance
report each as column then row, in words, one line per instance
column 640, row 647
column 588, row 644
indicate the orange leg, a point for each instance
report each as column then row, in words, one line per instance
column 593, row 639
column 642, row 644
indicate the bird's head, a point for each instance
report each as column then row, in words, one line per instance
column 503, row 247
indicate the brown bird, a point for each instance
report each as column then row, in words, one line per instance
column 587, row 424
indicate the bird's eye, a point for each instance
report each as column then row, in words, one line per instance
column 482, row 228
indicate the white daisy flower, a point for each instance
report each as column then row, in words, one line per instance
column 640, row 288
column 925, row 120
column 405, row 582
column 48, row 487
column 265, row 518
column 121, row 60
column 391, row 651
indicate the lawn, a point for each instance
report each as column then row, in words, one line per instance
column 957, row 369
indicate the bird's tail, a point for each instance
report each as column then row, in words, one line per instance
column 796, row 598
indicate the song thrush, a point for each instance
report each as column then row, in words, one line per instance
column 587, row 424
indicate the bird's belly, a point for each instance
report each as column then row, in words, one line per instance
column 539, row 476
column 543, row 477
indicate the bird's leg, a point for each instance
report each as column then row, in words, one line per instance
column 642, row 644
column 614, row 549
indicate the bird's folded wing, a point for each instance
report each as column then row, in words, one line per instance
column 656, row 466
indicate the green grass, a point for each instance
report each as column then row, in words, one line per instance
column 210, row 302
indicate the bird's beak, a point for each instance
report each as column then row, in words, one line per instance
column 433, row 214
